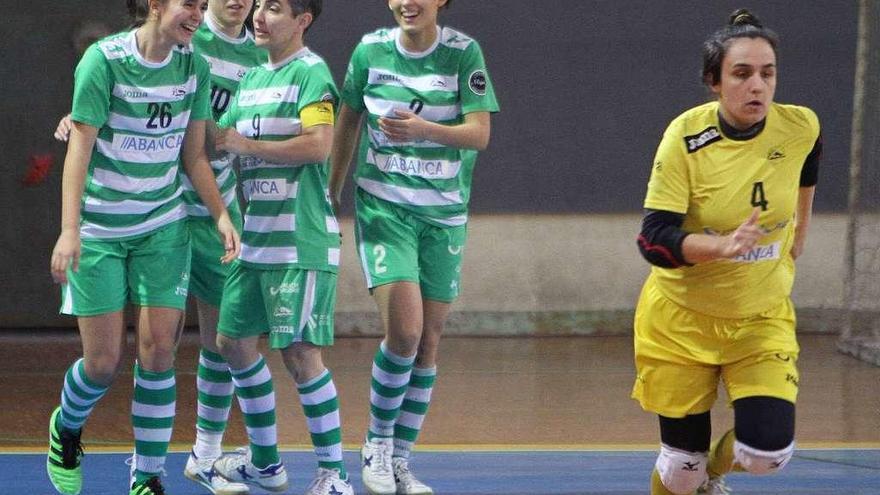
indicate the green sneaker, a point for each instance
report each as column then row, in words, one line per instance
column 63, row 461
column 149, row 486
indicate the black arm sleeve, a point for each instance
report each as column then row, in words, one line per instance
column 810, row 172
column 661, row 238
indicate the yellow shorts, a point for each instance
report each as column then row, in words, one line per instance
column 680, row 355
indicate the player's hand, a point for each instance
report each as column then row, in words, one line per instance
column 66, row 254
column 407, row 126
column 797, row 248
column 230, row 140
column 744, row 238
column 62, row 132
column 230, row 238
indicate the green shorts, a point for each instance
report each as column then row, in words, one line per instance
column 394, row 245
column 151, row 271
column 207, row 274
column 292, row 305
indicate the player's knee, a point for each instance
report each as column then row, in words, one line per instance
column 757, row 461
column 680, row 471
column 103, row 368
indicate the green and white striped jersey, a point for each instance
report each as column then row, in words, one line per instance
column 441, row 85
column 229, row 59
column 289, row 222
column 141, row 110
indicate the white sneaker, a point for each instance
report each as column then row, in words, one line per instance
column 328, row 482
column 202, row 472
column 376, row 466
column 407, row 484
column 238, row 468
column 714, row 486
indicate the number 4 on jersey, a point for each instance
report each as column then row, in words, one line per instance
column 758, row 198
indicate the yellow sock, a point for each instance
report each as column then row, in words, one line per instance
column 721, row 459
column 657, row 487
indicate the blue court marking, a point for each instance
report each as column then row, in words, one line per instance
column 811, row 472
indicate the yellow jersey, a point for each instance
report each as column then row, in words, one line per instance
column 716, row 181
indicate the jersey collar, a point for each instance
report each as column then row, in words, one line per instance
column 406, row 53
column 302, row 52
column 132, row 40
column 212, row 25
column 737, row 135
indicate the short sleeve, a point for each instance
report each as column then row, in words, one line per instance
column 201, row 109
column 91, row 89
column 668, row 188
column 317, row 86
column 475, row 86
column 356, row 79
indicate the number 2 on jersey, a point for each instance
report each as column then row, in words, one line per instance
column 758, row 197
column 379, row 253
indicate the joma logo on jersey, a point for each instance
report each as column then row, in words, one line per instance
column 134, row 93
column 388, row 78
column 760, row 253
column 136, row 143
column 178, row 92
column 267, row 189
column 703, row 139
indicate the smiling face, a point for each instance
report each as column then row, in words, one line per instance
column 230, row 12
column 179, row 19
column 748, row 81
column 416, row 16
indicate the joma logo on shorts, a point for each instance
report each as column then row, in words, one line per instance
column 282, row 329
column 283, row 311
column 291, row 288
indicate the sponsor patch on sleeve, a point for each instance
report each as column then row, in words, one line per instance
column 702, row 139
column 477, row 82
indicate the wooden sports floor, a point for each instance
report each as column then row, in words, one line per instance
column 509, row 415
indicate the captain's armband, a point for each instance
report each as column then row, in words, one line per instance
column 320, row 113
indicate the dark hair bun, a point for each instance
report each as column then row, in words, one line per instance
column 742, row 17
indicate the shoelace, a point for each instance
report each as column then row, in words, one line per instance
column 71, row 449
column 323, row 479
column 403, row 475
column 384, row 453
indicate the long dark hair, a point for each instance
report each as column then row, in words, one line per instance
column 741, row 24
